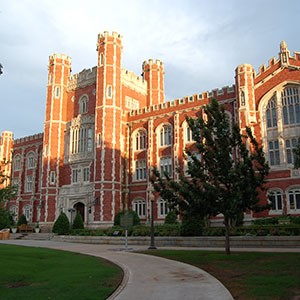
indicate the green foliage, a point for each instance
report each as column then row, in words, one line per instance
column 168, row 229
column 61, row 225
column 136, row 219
column 78, row 222
column 171, row 217
column 6, row 219
column 22, row 220
column 192, row 226
column 225, row 177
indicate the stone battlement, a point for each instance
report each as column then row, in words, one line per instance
column 84, row 78
column 131, row 80
column 107, row 34
column 60, row 56
column 152, row 62
column 29, row 138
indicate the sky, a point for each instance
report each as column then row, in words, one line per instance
column 200, row 42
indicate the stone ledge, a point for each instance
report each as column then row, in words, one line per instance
column 235, row 241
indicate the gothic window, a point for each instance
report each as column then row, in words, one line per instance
column 290, row 145
column 57, row 92
column 109, row 91
column 139, row 206
column 275, row 197
column 75, row 175
column 81, row 140
column 243, row 102
column 163, row 208
column 86, row 174
column 27, row 212
column 165, row 166
column 17, row 163
column 165, row 135
column 83, row 105
column 140, row 170
column 294, row 200
column 28, row 184
column 140, row 140
column 271, row 113
column 274, row 156
column 30, row 161
column 52, row 177
column 290, row 105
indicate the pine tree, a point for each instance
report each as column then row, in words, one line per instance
column 226, row 173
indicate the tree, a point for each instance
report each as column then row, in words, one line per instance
column 226, row 173
column 297, row 155
column 7, row 191
column 61, row 225
column 78, row 222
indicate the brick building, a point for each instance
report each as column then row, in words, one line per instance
column 105, row 127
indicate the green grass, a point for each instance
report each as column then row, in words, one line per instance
column 42, row 274
column 248, row 276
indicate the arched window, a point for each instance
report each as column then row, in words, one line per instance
column 139, row 206
column 294, row 200
column 290, row 105
column 165, row 135
column 163, row 208
column 27, row 212
column 17, row 163
column 271, row 113
column 275, row 197
column 30, row 160
column 140, row 140
column 83, row 105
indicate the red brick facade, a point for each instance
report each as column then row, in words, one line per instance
column 105, row 128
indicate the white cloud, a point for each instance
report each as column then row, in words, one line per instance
column 200, row 43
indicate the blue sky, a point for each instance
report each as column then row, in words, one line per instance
column 200, row 42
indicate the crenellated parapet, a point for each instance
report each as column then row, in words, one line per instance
column 131, row 80
column 59, row 58
column 82, row 79
column 30, row 138
column 187, row 101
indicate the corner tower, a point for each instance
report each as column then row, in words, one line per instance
column 153, row 73
column 55, row 123
column 108, row 114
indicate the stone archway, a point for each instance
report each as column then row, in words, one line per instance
column 79, row 207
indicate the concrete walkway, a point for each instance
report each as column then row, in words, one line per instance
column 146, row 277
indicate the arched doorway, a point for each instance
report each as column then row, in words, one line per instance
column 80, row 209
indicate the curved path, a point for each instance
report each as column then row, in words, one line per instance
column 147, row 277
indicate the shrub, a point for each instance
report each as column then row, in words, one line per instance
column 6, row 219
column 191, row 226
column 171, row 218
column 78, row 222
column 62, row 224
column 22, row 220
column 141, row 230
column 136, row 219
column 168, row 230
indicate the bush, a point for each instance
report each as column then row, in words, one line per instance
column 61, row 225
column 78, row 222
column 168, row 230
column 171, row 218
column 22, row 220
column 6, row 219
column 136, row 219
column 192, row 226
column 141, row 230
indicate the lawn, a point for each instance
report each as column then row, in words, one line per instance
column 39, row 274
column 248, row 276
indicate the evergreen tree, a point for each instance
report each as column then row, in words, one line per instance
column 226, row 173
column 62, row 224
column 297, row 155
column 78, row 222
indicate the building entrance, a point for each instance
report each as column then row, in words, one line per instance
column 80, row 209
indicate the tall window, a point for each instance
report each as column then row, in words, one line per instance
column 27, row 212
column 163, row 208
column 166, row 166
column 140, row 170
column 294, row 199
column 271, row 113
column 81, row 140
column 290, row 105
column 274, row 153
column 52, row 177
column 57, row 92
column 86, row 174
column 30, row 161
column 276, row 200
column 139, row 206
column 83, row 105
column 28, row 184
column 290, row 145
column 17, row 163
column 140, row 140
column 75, row 175
column 109, row 91
column 166, row 135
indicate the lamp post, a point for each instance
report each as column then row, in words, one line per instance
column 152, row 242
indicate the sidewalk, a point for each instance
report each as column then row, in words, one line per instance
column 146, row 277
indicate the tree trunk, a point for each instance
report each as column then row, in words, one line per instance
column 227, row 234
